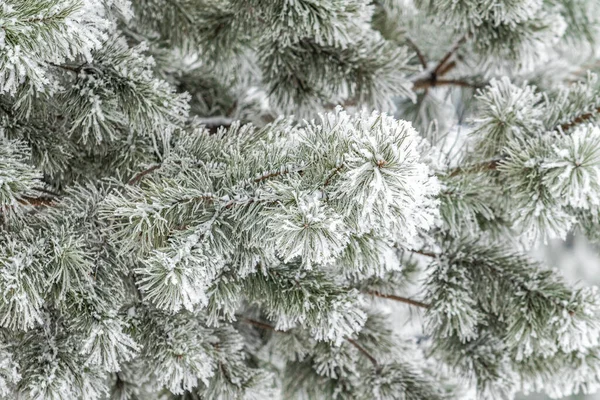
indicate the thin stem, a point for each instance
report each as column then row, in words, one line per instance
column 364, row 352
column 268, row 176
column 442, row 68
column 185, row 13
column 431, row 82
column 579, row 120
column 246, row 202
column 332, row 174
column 69, row 68
column 491, row 165
column 400, row 299
column 213, row 124
column 36, row 202
column 420, row 55
column 446, row 68
column 260, row 324
column 424, row 253
column 275, row 174
column 138, row 177
column 449, row 54
column 47, row 191
column 208, row 198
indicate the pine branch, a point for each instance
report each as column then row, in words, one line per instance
column 420, row 55
column 36, row 201
column 490, row 165
column 447, row 68
column 214, row 124
column 260, row 324
column 424, row 253
column 52, row 19
column 69, row 68
column 332, row 175
column 353, row 342
column 400, row 299
column 579, row 120
column 447, row 56
column 433, row 82
column 206, row 197
column 47, row 191
column 442, row 68
column 364, row 352
column 270, row 175
column 138, row 177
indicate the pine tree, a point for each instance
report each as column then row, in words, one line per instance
column 221, row 199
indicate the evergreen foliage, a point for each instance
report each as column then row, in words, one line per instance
column 212, row 199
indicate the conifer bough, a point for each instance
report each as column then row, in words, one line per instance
column 187, row 213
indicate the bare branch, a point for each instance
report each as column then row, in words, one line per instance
column 259, row 324
column 363, row 351
column 69, row 68
column 490, row 165
column 449, row 54
column 36, row 201
column 138, row 177
column 424, row 253
column 420, row 55
column 431, row 82
column 400, row 299
column 333, row 173
column 579, row 120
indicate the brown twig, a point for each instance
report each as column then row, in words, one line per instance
column 260, row 324
column 332, row 174
column 364, row 352
column 400, row 299
column 269, row 176
column 424, row 253
column 579, row 120
column 274, row 174
column 491, row 165
column 138, row 177
column 47, row 191
column 420, row 55
column 442, row 68
column 280, row 173
column 447, row 68
column 449, row 54
column 208, row 198
column 36, row 201
column 430, row 82
column 69, row 68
